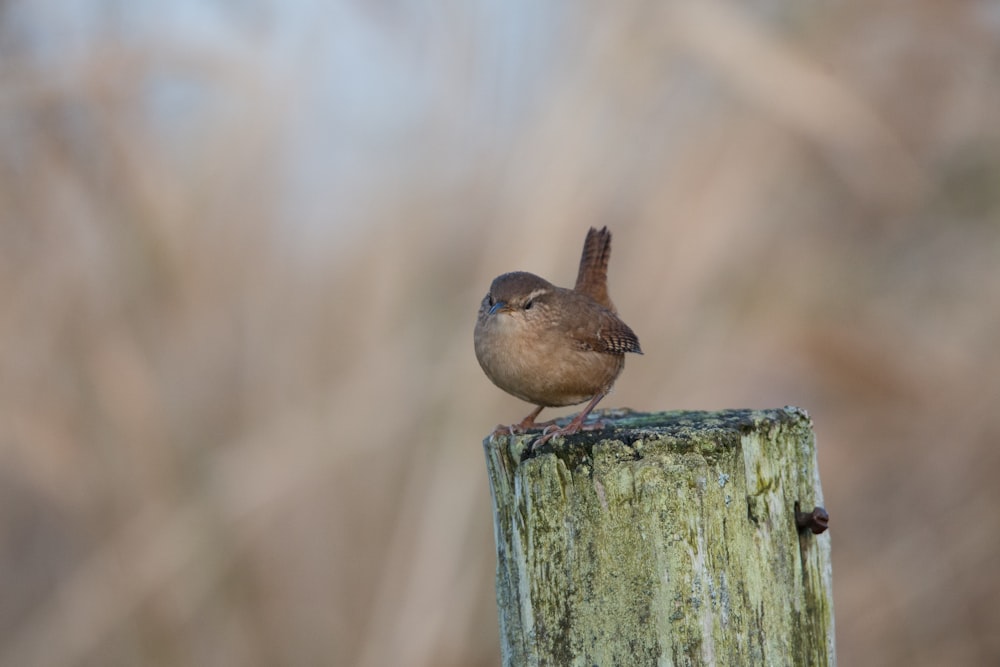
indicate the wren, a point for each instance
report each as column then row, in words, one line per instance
column 553, row 346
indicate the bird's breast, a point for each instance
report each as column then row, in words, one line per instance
column 539, row 364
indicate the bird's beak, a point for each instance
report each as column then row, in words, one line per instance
column 497, row 306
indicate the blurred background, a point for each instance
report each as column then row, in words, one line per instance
column 242, row 246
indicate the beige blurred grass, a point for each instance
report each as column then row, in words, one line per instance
column 213, row 452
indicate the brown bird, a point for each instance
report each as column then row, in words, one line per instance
column 553, row 346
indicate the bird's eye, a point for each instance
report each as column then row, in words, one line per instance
column 489, row 300
column 528, row 304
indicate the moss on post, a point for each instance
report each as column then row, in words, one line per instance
column 666, row 539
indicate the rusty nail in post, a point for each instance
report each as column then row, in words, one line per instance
column 816, row 521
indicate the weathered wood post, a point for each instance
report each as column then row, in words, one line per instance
column 666, row 539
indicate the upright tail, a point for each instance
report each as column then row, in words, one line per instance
column 592, row 278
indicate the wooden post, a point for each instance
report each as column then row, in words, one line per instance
column 665, row 539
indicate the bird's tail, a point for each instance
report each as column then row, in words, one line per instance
column 592, row 278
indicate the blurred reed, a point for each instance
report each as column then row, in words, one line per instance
column 221, row 445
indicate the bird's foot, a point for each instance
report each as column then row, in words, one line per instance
column 525, row 425
column 522, row 427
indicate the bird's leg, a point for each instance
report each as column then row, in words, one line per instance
column 573, row 426
column 526, row 424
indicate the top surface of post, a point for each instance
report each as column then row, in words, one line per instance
column 701, row 430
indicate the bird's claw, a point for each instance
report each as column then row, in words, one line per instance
column 552, row 430
column 547, row 434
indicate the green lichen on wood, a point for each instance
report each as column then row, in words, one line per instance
column 665, row 539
